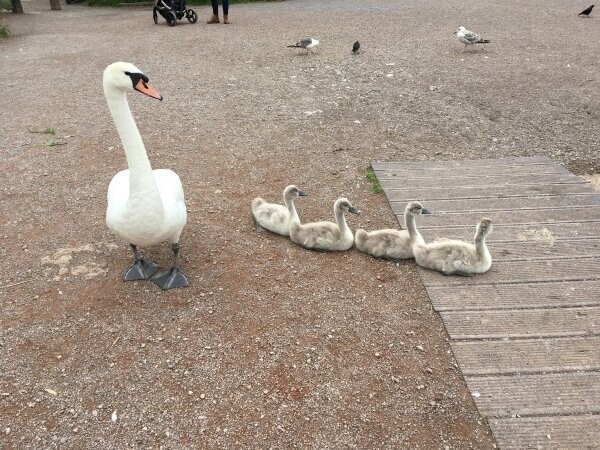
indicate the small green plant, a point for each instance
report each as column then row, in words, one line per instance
column 4, row 31
column 372, row 179
column 50, row 131
column 53, row 143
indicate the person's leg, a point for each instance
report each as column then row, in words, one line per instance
column 225, row 11
column 215, row 16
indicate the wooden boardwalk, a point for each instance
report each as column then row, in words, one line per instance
column 526, row 334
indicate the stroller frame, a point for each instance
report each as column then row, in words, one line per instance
column 173, row 10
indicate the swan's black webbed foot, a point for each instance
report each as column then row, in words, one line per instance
column 141, row 268
column 172, row 278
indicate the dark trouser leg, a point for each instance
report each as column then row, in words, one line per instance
column 141, row 269
column 225, row 7
column 215, row 6
column 172, row 278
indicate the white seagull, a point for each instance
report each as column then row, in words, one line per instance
column 469, row 38
column 306, row 43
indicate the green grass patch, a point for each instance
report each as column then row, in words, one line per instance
column 188, row 2
column 53, row 143
column 373, row 181
column 50, row 131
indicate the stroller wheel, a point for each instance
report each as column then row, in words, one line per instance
column 155, row 16
column 171, row 18
column 192, row 16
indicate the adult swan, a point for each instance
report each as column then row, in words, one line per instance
column 145, row 206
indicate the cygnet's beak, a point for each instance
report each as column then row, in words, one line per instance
column 142, row 87
column 354, row 210
column 302, row 194
column 425, row 211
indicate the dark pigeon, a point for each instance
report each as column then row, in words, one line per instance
column 355, row 47
column 586, row 12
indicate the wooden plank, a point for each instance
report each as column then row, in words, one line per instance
column 540, row 217
column 512, row 296
column 466, row 173
column 409, row 193
column 537, row 250
column 522, row 272
column 505, row 204
column 537, row 312
column 475, row 163
column 539, row 394
column 528, row 355
column 483, row 180
column 545, row 233
column 555, row 432
column 550, row 322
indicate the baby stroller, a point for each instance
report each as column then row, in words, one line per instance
column 173, row 10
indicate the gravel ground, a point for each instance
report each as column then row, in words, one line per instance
column 271, row 346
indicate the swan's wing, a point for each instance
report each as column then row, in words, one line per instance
column 118, row 189
column 319, row 234
column 273, row 217
column 169, row 186
column 171, row 193
column 116, row 199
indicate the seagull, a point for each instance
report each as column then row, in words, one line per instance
column 306, row 43
column 586, row 12
column 469, row 38
column 355, row 47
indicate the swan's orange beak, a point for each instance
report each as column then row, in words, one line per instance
column 142, row 87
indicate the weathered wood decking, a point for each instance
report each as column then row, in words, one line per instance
column 526, row 335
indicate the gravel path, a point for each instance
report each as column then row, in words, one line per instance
column 271, row 346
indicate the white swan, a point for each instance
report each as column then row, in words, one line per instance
column 390, row 243
column 327, row 236
column 454, row 257
column 145, row 206
column 275, row 217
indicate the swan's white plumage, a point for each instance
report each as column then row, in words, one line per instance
column 390, row 243
column 326, row 236
column 275, row 217
column 454, row 257
column 145, row 206
column 387, row 243
column 140, row 222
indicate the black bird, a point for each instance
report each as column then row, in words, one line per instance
column 586, row 12
column 355, row 47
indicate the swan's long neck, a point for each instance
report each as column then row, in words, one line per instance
column 340, row 218
column 411, row 226
column 289, row 202
column 141, row 178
